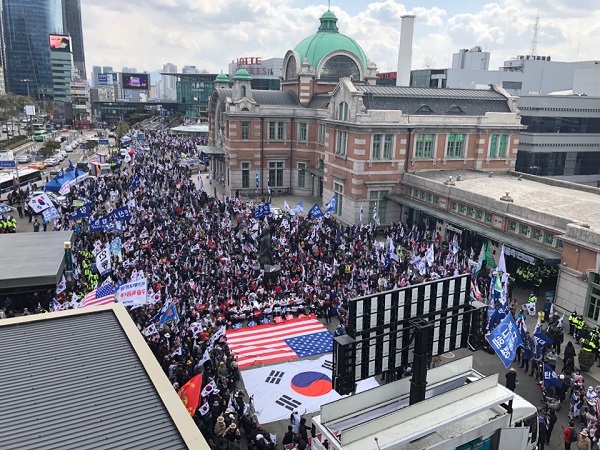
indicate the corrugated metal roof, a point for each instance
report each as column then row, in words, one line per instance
column 76, row 382
column 412, row 92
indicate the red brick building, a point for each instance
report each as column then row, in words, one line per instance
column 332, row 131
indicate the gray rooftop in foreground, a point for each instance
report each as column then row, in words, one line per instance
column 577, row 204
column 85, row 379
column 32, row 259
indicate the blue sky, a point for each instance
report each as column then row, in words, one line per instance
column 209, row 34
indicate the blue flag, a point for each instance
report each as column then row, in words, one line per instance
column 169, row 314
column 298, row 209
column 122, row 214
column 71, row 166
column 332, row 204
column 100, row 224
column 499, row 314
column 113, row 226
column 315, row 212
column 257, row 180
column 261, row 211
column 135, row 182
column 540, row 338
column 81, row 212
column 60, row 174
column 550, row 377
column 505, row 339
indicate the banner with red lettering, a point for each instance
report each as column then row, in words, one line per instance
column 134, row 293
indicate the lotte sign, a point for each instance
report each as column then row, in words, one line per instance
column 253, row 64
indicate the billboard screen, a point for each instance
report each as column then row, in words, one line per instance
column 106, row 78
column 136, row 81
column 60, row 43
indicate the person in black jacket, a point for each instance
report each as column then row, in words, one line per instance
column 550, row 421
column 569, row 357
column 288, row 438
column 511, row 379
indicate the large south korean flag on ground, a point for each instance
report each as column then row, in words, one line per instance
column 303, row 385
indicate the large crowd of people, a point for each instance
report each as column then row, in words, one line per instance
column 199, row 253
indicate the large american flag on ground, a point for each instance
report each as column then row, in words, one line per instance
column 290, row 339
column 104, row 295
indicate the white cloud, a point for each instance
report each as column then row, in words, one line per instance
column 211, row 34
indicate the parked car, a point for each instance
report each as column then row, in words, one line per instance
column 24, row 158
column 276, row 212
column 37, row 165
column 68, row 149
column 51, row 161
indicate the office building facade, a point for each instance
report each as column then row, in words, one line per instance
column 562, row 138
column 168, row 84
column 73, row 27
column 26, row 25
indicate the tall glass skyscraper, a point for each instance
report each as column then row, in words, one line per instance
column 26, row 26
column 72, row 23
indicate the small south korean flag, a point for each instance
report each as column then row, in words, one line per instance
column 210, row 388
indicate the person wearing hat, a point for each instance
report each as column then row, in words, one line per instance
column 583, row 440
column 220, row 426
column 511, row 379
column 233, row 437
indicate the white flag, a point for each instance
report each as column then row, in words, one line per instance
column 210, row 388
column 204, row 409
column 205, row 357
column 150, row 330
column 40, row 203
column 531, row 309
column 430, row 256
column 61, row 286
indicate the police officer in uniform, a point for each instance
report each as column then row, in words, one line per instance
column 572, row 319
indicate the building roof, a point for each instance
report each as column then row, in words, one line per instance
column 46, row 249
column 431, row 101
column 575, row 203
column 87, row 379
column 221, row 78
column 242, row 74
column 198, row 128
column 319, row 101
column 326, row 40
column 266, row 97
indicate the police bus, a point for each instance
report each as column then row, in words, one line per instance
column 9, row 180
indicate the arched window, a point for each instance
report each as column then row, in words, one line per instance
column 343, row 111
column 290, row 70
column 243, row 91
column 340, row 66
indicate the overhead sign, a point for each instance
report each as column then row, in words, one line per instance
column 103, row 141
column 519, row 255
column 6, row 163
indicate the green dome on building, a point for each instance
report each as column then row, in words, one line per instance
column 326, row 40
column 243, row 75
column 221, row 78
